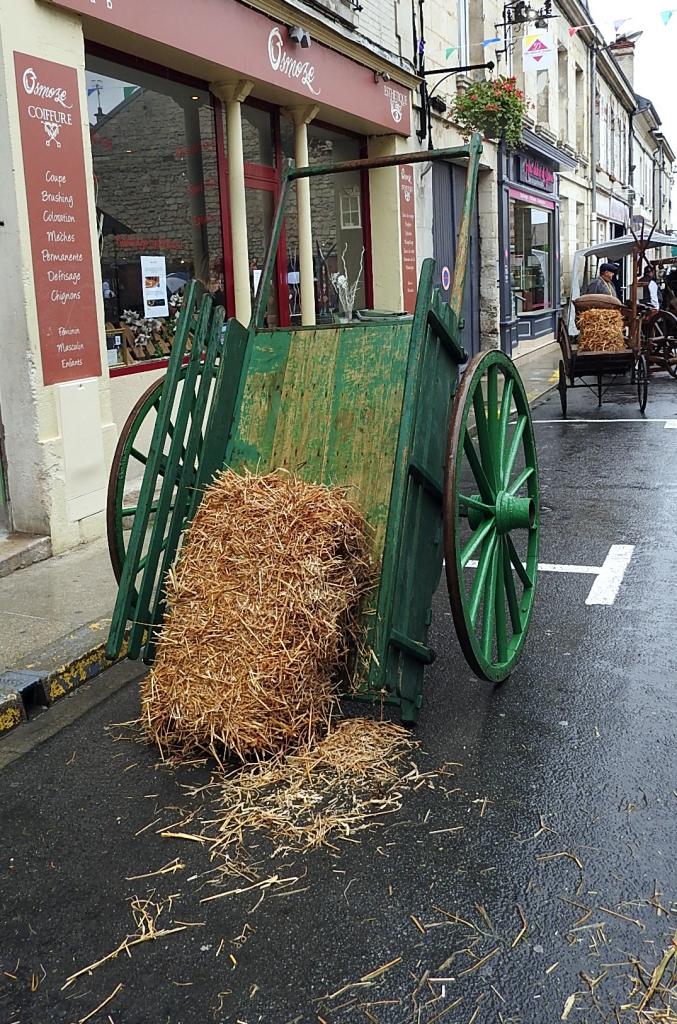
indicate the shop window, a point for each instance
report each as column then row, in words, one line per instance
column 157, row 203
column 339, row 242
column 531, row 232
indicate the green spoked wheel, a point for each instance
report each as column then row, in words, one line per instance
column 129, row 460
column 491, row 515
column 127, row 466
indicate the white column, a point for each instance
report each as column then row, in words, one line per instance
column 233, row 94
column 302, row 117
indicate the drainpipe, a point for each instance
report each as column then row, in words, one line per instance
column 661, row 170
column 631, row 152
column 594, row 144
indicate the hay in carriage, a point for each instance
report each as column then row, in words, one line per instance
column 601, row 330
column 262, row 619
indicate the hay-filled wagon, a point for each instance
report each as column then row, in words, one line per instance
column 649, row 337
column 440, row 460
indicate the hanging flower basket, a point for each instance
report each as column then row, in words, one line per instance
column 495, row 108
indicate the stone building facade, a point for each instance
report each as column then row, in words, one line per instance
column 186, row 163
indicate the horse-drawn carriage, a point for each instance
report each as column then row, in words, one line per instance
column 650, row 334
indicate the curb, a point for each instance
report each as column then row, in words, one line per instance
column 53, row 672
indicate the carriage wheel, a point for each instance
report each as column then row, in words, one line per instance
column 491, row 515
column 642, row 381
column 562, row 388
column 119, row 514
column 663, row 340
column 130, row 457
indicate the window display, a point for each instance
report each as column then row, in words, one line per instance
column 338, row 232
column 531, row 230
column 157, row 203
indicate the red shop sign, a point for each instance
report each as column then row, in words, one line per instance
column 233, row 36
column 56, row 191
column 408, row 237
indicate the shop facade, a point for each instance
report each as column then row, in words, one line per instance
column 153, row 166
column 529, row 241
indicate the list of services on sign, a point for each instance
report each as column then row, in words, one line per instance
column 56, row 190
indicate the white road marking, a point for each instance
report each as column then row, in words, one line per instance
column 644, row 419
column 608, row 576
column 587, row 570
column 605, row 588
column 671, row 424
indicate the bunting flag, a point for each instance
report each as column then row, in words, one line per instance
column 490, row 42
column 449, row 50
column 666, row 15
column 619, row 24
column 573, row 29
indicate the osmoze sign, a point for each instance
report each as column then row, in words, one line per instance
column 58, row 216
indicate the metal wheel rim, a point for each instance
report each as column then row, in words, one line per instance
column 494, row 590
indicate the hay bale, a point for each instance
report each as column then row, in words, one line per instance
column 601, row 331
column 262, row 618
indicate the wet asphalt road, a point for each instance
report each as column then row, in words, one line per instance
column 581, row 740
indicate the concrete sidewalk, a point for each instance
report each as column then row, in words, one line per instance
column 54, row 618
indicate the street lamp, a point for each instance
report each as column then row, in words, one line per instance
column 521, row 12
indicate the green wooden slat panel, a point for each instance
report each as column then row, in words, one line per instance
column 127, row 593
column 381, row 676
column 304, row 418
column 184, row 493
column 366, row 412
column 227, row 386
column 141, row 616
column 327, row 404
column 256, row 411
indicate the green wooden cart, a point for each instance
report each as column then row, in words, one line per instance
column 441, row 462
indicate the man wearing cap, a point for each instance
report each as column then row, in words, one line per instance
column 603, row 283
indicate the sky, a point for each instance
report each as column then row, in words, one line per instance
column 655, row 51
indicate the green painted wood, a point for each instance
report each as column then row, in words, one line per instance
column 183, row 495
column 305, row 413
column 326, row 403
column 257, row 403
column 388, row 670
column 127, row 593
column 219, row 428
column 141, row 615
column 446, row 327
